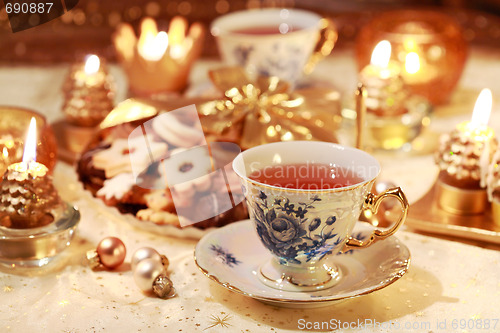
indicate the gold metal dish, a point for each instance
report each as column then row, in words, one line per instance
column 426, row 215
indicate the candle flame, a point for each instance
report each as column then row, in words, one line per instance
column 482, row 109
column 29, row 154
column 381, row 54
column 5, row 152
column 409, row 44
column 177, row 52
column 153, row 46
column 412, row 63
column 92, row 64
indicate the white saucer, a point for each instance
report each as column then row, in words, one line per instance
column 231, row 256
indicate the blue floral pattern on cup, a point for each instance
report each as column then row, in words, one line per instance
column 241, row 53
column 290, row 232
column 280, row 59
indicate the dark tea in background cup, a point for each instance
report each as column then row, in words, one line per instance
column 274, row 42
column 266, row 30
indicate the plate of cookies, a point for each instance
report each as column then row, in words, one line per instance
column 161, row 175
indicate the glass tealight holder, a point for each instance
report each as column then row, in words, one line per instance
column 429, row 47
column 389, row 132
column 14, row 124
column 36, row 247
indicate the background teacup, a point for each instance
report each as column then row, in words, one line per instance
column 303, row 227
column 274, row 42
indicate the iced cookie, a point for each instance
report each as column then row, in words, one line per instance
column 116, row 187
column 188, row 170
column 122, row 189
column 126, row 156
column 177, row 132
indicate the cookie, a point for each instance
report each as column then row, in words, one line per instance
column 114, row 189
column 177, row 132
column 127, row 156
column 143, row 174
column 158, row 217
column 160, row 200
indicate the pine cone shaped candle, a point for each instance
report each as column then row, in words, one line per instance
column 394, row 117
column 386, row 91
column 493, row 180
column 493, row 186
column 89, row 93
column 463, row 159
column 27, row 196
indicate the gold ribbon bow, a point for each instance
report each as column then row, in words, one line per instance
column 263, row 111
column 251, row 113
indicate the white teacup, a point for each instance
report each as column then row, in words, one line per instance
column 274, row 42
column 302, row 228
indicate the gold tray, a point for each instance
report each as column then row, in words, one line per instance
column 425, row 215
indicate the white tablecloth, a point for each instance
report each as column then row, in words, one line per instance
column 450, row 285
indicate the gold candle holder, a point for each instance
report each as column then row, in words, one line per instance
column 158, row 62
column 460, row 201
column 429, row 48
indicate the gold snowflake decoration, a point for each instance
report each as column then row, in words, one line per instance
column 218, row 321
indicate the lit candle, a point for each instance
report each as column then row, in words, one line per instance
column 412, row 63
column 89, row 94
column 477, row 128
column 28, row 198
column 152, row 44
column 493, row 182
column 29, row 168
column 416, row 70
column 158, row 62
column 91, row 74
column 380, row 66
column 463, row 159
column 465, row 153
column 384, row 86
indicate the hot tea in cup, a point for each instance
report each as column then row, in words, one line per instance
column 306, row 176
column 304, row 198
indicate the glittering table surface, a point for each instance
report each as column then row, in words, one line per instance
column 448, row 280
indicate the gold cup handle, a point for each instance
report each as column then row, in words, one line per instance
column 327, row 39
column 372, row 202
